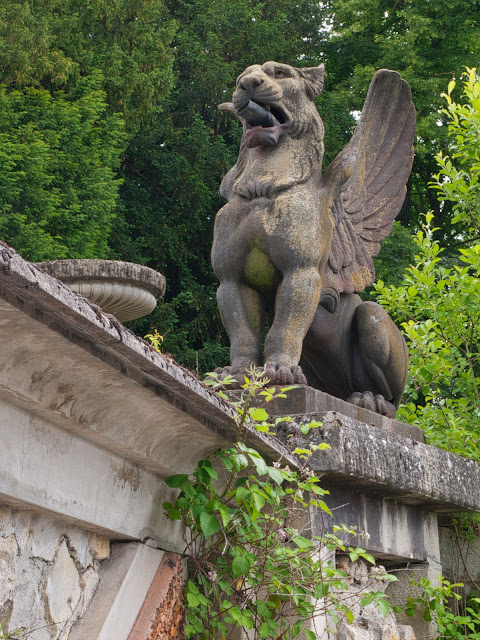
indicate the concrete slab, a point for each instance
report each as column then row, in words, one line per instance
column 50, row 469
column 396, row 533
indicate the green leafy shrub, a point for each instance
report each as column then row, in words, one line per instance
column 252, row 564
column 438, row 304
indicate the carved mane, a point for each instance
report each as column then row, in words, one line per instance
column 292, row 162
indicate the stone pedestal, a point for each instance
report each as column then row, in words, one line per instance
column 306, row 400
column 386, row 483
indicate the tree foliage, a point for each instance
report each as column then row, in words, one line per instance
column 428, row 43
column 73, row 75
column 58, row 161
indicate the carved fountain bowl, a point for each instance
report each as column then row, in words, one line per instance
column 126, row 290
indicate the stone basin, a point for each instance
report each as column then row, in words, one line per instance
column 126, row 290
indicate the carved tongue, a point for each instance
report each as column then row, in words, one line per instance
column 256, row 115
column 262, row 137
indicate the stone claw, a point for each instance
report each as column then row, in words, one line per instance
column 377, row 403
column 284, row 374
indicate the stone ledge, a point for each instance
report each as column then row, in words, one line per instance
column 388, row 464
column 138, row 385
column 67, row 362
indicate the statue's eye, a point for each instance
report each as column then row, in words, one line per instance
column 280, row 73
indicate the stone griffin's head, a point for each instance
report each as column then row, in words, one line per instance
column 274, row 100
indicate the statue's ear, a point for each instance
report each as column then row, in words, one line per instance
column 315, row 77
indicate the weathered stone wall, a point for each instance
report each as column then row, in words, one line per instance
column 369, row 623
column 460, row 551
column 49, row 572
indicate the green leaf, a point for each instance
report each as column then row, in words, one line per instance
column 188, row 489
column 258, row 414
column 176, row 481
column 209, row 524
column 309, row 635
column 262, row 608
column 240, row 565
column 224, row 514
column 242, row 493
column 239, row 461
column 192, row 599
column 383, row 606
column 268, row 629
column 368, row 558
column 275, row 475
column 260, row 465
column 258, row 500
column 302, row 543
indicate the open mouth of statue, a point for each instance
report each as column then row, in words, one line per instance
column 260, row 114
column 265, row 123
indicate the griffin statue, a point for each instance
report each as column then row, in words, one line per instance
column 293, row 246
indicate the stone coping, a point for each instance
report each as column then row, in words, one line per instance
column 162, row 385
column 111, row 270
column 387, row 464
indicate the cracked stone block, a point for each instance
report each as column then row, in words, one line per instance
column 8, row 567
column 99, row 546
column 79, row 543
column 44, row 538
column 22, row 529
column 405, row 632
column 4, row 520
column 27, row 608
column 88, row 584
column 62, row 590
column 351, row 632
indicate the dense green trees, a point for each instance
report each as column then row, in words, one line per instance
column 113, row 147
column 58, row 161
column 428, row 43
column 76, row 79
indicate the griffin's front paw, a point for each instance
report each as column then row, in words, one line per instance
column 284, row 374
column 377, row 403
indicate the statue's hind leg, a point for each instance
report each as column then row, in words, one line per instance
column 380, row 360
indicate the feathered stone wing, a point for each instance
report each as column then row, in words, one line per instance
column 368, row 180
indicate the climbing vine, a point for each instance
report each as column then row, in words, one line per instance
column 252, row 563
